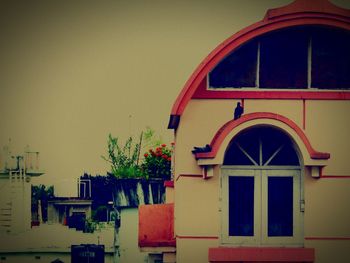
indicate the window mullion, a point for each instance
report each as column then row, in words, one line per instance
column 309, row 63
column 260, row 152
column 247, row 154
column 257, row 79
column 273, row 155
column 263, row 205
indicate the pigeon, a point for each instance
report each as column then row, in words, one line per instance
column 238, row 111
column 206, row 148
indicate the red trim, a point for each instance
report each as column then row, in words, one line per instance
column 321, row 176
column 335, row 176
column 261, row 254
column 169, row 184
column 291, row 15
column 189, row 175
column 327, row 238
column 268, row 94
column 197, row 237
column 162, row 243
column 232, row 124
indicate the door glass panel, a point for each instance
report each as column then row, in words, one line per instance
column 280, row 206
column 241, row 206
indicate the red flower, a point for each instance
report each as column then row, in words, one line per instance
column 164, row 156
column 169, row 159
column 146, row 155
column 173, row 144
column 163, row 145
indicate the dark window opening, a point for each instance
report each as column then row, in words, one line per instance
column 283, row 59
column 330, row 59
column 297, row 57
column 241, row 206
column 280, row 206
column 237, row 70
column 264, row 146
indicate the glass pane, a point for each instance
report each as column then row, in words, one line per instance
column 287, row 156
column 330, row 59
column 280, row 206
column 283, row 59
column 237, row 70
column 234, row 156
column 271, row 139
column 241, row 206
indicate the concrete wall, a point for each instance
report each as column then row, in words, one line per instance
column 128, row 238
column 50, row 242
column 15, row 203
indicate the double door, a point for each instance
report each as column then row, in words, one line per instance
column 262, row 206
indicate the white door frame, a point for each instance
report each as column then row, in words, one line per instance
column 261, row 174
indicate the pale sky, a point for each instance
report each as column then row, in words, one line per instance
column 74, row 71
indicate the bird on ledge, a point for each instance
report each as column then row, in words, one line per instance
column 238, row 111
column 205, row 149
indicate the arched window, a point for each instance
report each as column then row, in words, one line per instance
column 261, row 147
column 300, row 57
column 262, row 201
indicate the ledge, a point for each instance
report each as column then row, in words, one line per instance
column 261, row 254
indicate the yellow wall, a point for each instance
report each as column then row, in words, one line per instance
column 330, row 251
column 327, row 214
column 327, row 211
column 196, row 203
column 328, row 128
column 198, row 125
column 193, row 250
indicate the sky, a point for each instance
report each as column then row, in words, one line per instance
column 71, row 72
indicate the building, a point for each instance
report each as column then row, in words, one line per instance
column 61, row 209
column 48, row 242
column 271, row 185
column 15, row 195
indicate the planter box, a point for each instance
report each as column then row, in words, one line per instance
column 134, row 192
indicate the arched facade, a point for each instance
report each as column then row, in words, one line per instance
column 297, row 98
column 237, row 203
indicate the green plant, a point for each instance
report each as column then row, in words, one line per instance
column 90, row 225
column 150, row 139
column 157, row 163
column 124, row 160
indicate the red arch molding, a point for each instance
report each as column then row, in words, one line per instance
column 300, row 12
column 232, row 124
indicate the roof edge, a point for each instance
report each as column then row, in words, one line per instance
column 299, row 12
column 312, row 6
